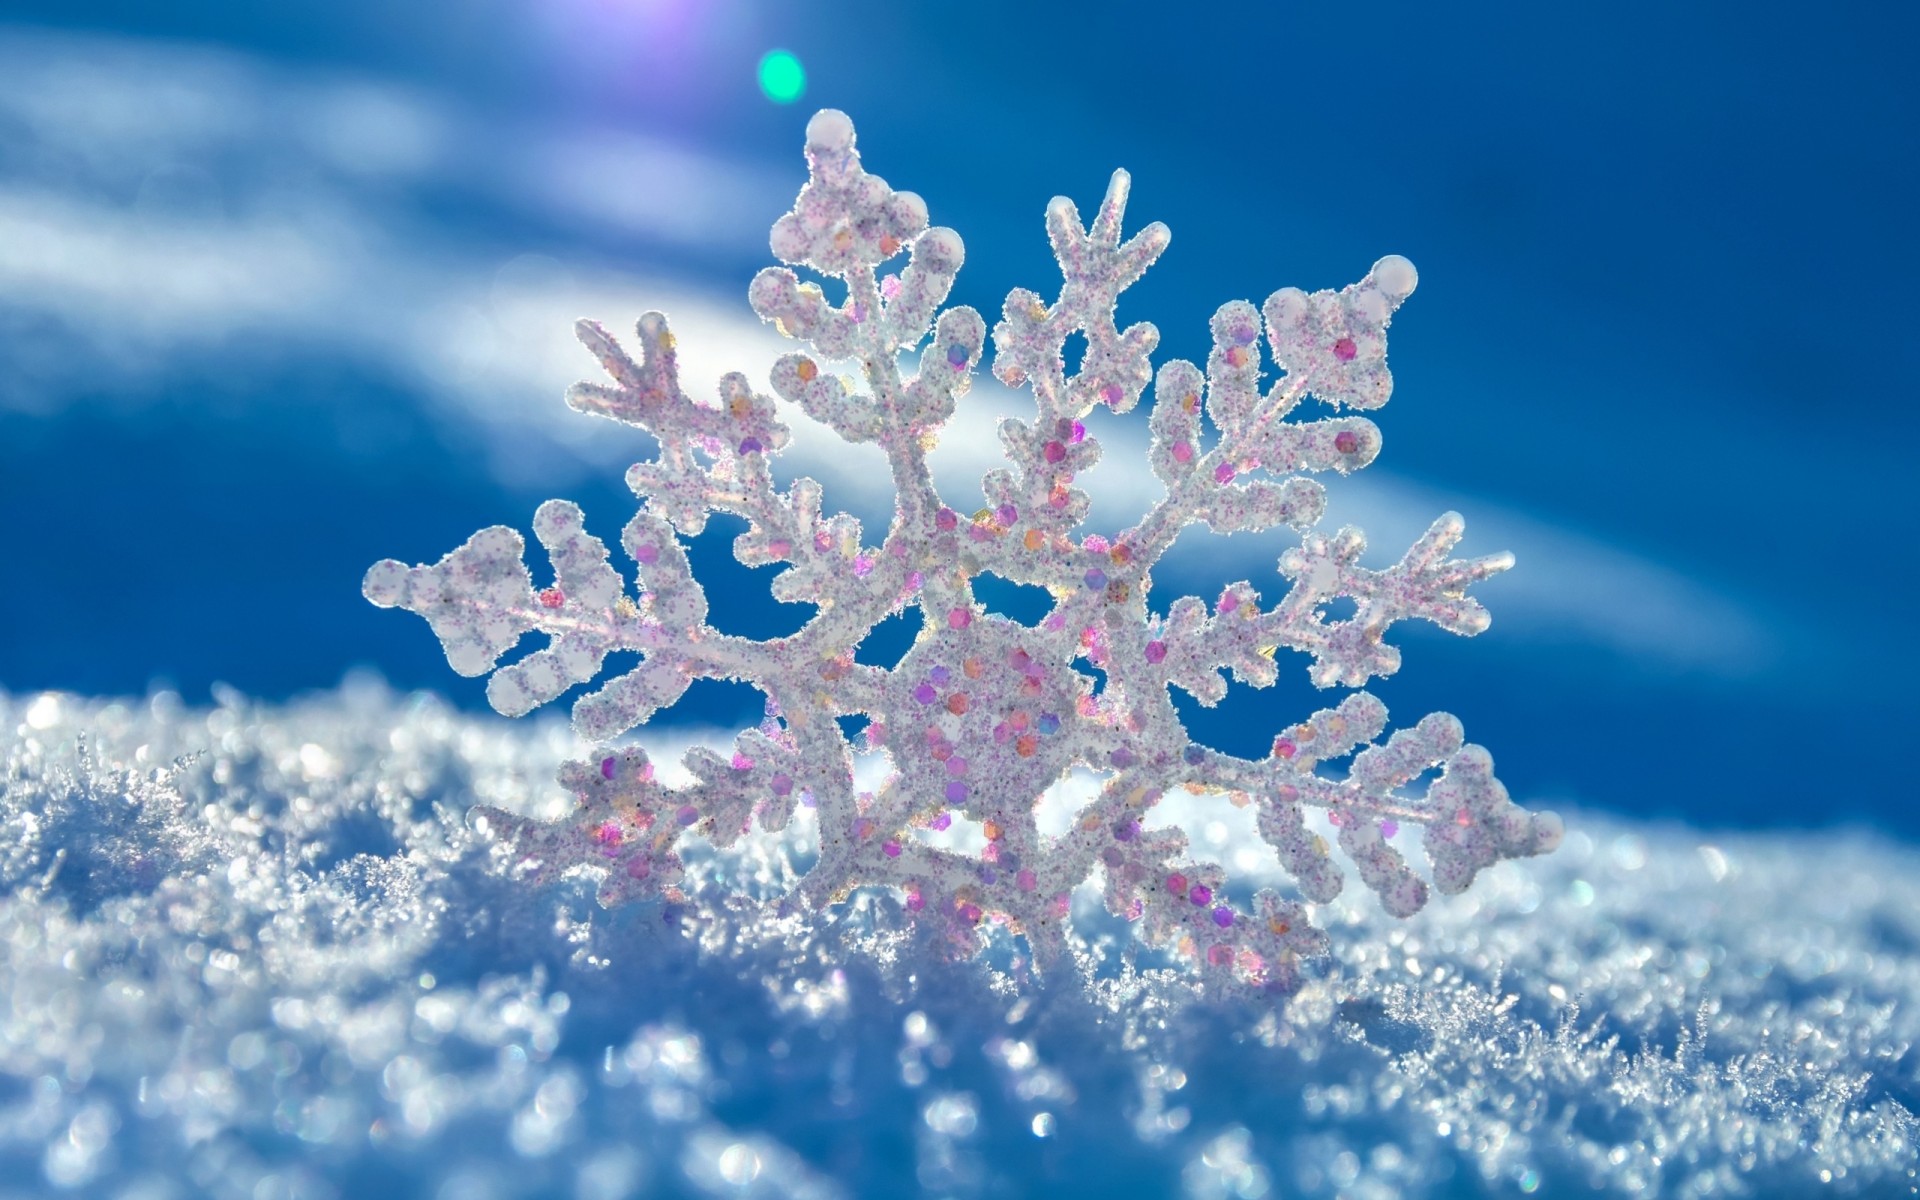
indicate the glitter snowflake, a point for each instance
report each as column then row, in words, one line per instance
column 984, row 714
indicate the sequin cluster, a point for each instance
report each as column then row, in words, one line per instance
column 984, row 714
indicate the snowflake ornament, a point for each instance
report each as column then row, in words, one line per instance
column 984, row 714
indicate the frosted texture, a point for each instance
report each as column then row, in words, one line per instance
column 289, row 967
column 984, row 715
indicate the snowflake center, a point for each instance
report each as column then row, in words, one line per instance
column 986, row 712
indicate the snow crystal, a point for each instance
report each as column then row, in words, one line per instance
column 255, row 951
column 985, row 714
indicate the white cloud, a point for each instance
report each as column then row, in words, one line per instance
column 614, row 180
column 160, row 282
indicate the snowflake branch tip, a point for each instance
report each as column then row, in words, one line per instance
column 983, row 716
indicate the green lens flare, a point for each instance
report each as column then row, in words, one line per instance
column 782, row 77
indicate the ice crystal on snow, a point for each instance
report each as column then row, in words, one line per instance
column 984, row 714
column 330, row 985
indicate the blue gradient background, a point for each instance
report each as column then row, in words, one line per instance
column 1666, row 308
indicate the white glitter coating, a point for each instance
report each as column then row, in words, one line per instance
column 984, row 715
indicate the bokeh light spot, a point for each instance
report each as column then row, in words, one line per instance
column 782, row 77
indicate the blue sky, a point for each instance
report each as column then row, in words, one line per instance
column 286, row 291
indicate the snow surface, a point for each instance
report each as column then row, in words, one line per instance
column 288, row 966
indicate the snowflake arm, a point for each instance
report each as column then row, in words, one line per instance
column 1424, row 584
